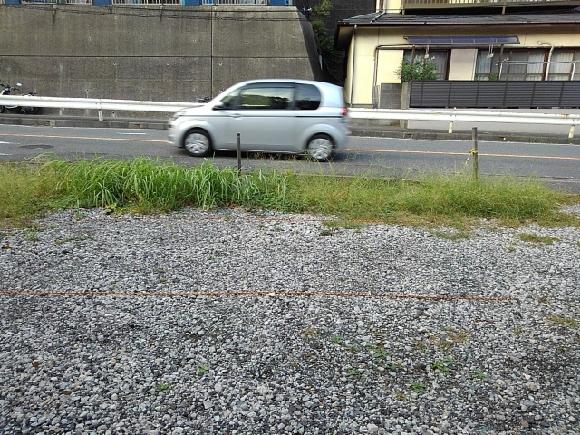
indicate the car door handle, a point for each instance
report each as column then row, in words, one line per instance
column 236, row 115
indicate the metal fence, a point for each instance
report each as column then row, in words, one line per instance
column 439, row 3
column 146, row 2
column 235, row 2
column 495, row 94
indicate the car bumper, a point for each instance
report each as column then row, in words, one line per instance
column 173, row 135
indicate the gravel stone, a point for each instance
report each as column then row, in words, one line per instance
column 231, row 321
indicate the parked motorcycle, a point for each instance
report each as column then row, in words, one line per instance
column 6, row 89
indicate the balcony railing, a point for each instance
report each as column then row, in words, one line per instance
column 427, row 4
column 235, row 2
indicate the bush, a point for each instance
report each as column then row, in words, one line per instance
column 417, row 70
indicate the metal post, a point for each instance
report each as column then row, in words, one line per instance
column 211, row 53
column 239, row 154
column 475, row 153
column 452, row 120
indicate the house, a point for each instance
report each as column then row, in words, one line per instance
column 513, row 48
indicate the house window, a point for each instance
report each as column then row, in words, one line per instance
column 564, row 64
column 439, row 57
column 518, row 64
column 528, row 64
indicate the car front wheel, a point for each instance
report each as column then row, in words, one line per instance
column 197, row 143
column 320, row 147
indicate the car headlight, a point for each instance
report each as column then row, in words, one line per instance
column 177, row 115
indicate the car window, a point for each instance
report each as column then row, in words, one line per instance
column 266, row 98
column 308, row 97
column 229, row 101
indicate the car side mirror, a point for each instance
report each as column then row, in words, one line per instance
column 219, row 106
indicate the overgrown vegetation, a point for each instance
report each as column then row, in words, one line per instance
column 318, row 18
column 421, row 69
column 565, row 321
column 145, row 186
column 533, row 238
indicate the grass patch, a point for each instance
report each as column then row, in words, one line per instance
column 354, row 372
column 565, row 321
column 26, row 190
column 162, row 388
column 435, row 200
column 450, row 235
column 337, row 339
column 443, row 366
column 146, row 186
column 344, row 223
column 479, row 375
column 202, row 369
column 532, row 238
column 417, row 387
column 378, row 352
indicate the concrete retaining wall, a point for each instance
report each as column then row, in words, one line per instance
column 167, row 54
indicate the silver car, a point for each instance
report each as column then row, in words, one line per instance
column 282, row 116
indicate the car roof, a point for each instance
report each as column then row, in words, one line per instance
column 306, row 82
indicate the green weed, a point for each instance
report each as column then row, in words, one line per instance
column 532, row 238
column 353, row 372
column 565, row 321
column 31, row 234
column 444, row 366
column 450, row 235
column 343, row 223
column 479, row 375
column 378, row 352
column 163, row 387
column 337, row 339
column 417, row 387
column 202, row 369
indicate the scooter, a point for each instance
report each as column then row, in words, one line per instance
column 6, row 89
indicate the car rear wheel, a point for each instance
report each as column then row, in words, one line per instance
column 320, row 147
column 197, row 143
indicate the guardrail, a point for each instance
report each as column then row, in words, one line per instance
column 450, row 116
column 94, row 104
column 479, row 3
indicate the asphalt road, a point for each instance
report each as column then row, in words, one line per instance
column 557, row 164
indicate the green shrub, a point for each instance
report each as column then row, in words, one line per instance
column 417, row 70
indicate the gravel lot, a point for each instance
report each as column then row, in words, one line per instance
column 301, row 328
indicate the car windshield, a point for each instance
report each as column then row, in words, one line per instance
column 229, row 99
column 228, row 94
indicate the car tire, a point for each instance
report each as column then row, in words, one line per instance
column 197, row 143
column 320, row 147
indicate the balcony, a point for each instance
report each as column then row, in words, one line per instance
column 452, row 4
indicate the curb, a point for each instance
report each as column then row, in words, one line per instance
column 385, row 132
column 440, row 135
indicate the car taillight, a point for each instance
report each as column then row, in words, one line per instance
column 344, row 111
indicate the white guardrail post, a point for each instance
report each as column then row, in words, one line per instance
column 450, row 116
